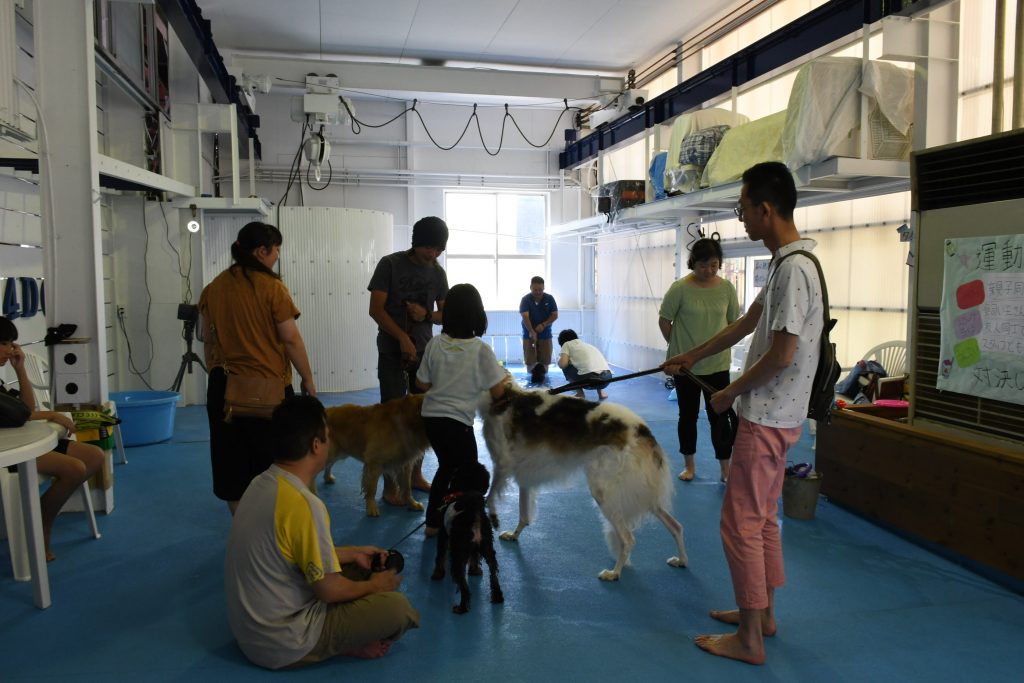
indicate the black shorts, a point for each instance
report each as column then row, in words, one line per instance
column 61, row 447
column 240, row 450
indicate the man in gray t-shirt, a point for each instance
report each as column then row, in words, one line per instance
column 407, row 293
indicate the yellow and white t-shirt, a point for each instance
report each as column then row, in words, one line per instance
column 280, row 545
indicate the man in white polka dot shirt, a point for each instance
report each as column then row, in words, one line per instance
column 773, row 391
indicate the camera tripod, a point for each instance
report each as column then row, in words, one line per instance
column 187, row 358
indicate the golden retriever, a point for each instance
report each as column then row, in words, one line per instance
column 386, row 437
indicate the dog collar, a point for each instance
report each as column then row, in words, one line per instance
column 451, row 497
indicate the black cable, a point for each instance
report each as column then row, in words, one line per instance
column 693, row 237
column 185, row 276
column 293, row 171
column 480, row 132
column 330, row 176
column 354, row 122
column 554, row 129
column 131, row 362
column 427, row 130
column 356, row 126
column 149, row 303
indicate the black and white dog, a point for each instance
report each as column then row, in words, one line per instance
column 540, row 439
column 467, row 534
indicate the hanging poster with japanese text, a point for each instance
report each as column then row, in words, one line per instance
column 982, row 318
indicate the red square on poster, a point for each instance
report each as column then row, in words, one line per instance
column 970, row 294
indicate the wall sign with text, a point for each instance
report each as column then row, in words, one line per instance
column 982, row 317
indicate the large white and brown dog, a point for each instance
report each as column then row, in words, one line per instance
column 538, row 438
column 386, row 437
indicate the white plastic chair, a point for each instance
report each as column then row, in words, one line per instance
column 891, row 355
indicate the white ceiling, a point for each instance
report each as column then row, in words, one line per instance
column 588, row 36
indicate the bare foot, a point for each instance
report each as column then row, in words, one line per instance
column 50, row 557
column 602, row 395
column 686, row 475
column 732, row 616
column 421, row 484
column 377, row 648
column 729, row 645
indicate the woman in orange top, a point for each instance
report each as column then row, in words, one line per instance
column 248, row 325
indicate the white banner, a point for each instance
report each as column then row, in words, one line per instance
column 982, row 318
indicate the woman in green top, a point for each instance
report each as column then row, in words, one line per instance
column 695, row 308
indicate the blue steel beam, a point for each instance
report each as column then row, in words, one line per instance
column 815, row 29
column 195, row 34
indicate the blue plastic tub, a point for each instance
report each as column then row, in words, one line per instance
column 146, row 416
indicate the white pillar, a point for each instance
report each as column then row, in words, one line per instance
column 65, row 66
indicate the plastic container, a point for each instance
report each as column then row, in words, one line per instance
column 892, row 403
column 146, row 416
column 800, row 495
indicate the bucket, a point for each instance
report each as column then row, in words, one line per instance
column 800, row 495
column 146, row 416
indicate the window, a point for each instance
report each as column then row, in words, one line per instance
column 497, row 243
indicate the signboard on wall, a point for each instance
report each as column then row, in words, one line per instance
column 982, row 318
column 761, row 271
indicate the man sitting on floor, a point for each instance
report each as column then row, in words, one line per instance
column 582, row 361
column 294, row 598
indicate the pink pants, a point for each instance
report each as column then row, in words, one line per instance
column 750, row 531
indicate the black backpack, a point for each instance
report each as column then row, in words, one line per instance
column 13, row 412
column 823, row 390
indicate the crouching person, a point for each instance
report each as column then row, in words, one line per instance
column 293, row 598
column 581, row 361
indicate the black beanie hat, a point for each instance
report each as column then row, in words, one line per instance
column 430, row 232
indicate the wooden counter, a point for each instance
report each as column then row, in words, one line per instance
column 962, row 494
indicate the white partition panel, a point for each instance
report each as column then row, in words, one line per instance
column 633, row 273
column 327, row 259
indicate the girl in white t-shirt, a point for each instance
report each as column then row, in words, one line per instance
column 456, row 367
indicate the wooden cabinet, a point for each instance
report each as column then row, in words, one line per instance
column 958, row 493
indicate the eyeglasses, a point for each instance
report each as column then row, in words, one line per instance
column 738, row 210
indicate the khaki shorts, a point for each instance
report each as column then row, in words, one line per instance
column 349, row 625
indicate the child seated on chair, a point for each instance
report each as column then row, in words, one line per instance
column 582, row 361
column 71, row 462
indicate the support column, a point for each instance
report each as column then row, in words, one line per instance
column 65, row 66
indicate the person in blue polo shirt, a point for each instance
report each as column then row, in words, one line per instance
column 539, row 311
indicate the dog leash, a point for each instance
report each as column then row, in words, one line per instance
column 727, row 424
column 697, row 380
column 590, row 383
column 414, row 530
